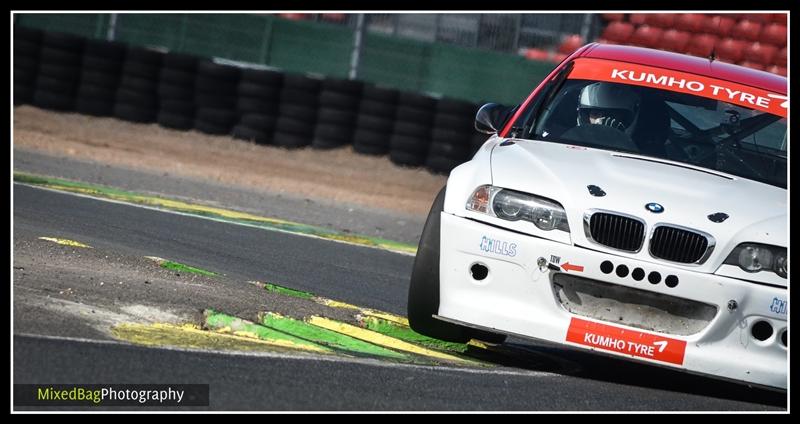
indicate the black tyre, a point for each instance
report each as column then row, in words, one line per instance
column 417, row 101
column 400, row 157
column 417, row 146
column 301, row 82
column 415, row 115
column 259, row 122
column 441, row 164
column 210, row 100
column 134, row 113
column 423, row 290
column 412, row 129
column 97, row 92
column 298, row 97
column 138, row 84
column 181, row 61
column 336, row 116
column 143, row 70
column 23, row 94
column 220, row 117
column 379, row 109
column 134, row 98
column 179, row 107
column 373, row 123
column 370, row 149
column 175, row 92
column 223, row 73
column 372, row 138
column 262, row 77
column 101, row 79
column 175, row 121
column 256, row 105
column 55, row 101
column 243, row 132
column 211, row 128
column 144, row 56
column 63, row 73
column 106, row 50
column 290, row 141
column 63, row 41
column 177, row 77
column 336, row 100
column 93, row 106
column 250, row 89
column 215, row 86
column 350, row 87
column 304, row 113
column 91, row 63
column 333, row 133
column 380, row 94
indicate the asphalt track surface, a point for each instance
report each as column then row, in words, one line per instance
column 359, row 275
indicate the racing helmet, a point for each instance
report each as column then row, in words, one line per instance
column 613, row 105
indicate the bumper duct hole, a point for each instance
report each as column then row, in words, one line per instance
column 606, row 267
column 622, row 271
column 784, row 336
column 654, row 278
column 761, row 330
column 479, row 271
column 637, row 274
column 671, row 281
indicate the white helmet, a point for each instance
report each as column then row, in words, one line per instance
column 613, row 105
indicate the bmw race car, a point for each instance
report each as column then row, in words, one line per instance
column 635, row 204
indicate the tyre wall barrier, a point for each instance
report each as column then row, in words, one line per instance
column 64, row 72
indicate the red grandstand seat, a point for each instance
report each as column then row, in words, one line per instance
column 779, row 18
column 780, row 58
column 746, row 30
column 537, row 54
column 612, row 17
column 757, row 17
column 701, row 45
column 559, row 57
column 774, row 34
column 720, row 25
column 661, row 20
column 638, row 18
column 730, row 50
column 570, row 43
column 646, row 36
column 691, row 22
column 753, row 65
column 334, row 17
column 295, row 16
column 618, row 32
column 775, row 69
column 760, row 53
column 674, row 40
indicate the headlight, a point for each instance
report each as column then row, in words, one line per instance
column 512, row 205
column 754, row 257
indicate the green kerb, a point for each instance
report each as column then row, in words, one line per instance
column 175, row 266
column 287, row 291
column 406, row 334
column 326, row 337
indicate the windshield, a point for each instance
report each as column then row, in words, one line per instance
column 664, row 124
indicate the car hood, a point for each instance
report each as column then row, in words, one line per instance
column 688, row 194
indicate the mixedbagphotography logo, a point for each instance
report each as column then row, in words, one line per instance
column 111, row 395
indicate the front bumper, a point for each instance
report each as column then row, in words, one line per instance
column 518, row 296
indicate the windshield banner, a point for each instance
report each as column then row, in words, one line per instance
column 681, row 82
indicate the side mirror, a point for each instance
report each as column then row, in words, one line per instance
column 491, row 117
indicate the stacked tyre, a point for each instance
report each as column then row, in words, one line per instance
column 375, row 120
column 27, row 43
column 451, row 135
column 100, row 77
column 176, row 91
column 338, row 108
column 257, row 105
column 476, row 141
column 297, row 113
column 59, row 71
column 215, row 97
column 137, row 96
column 410, row 137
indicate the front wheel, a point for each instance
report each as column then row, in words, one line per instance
column 423, row 292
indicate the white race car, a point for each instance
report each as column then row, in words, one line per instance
column 635, row 204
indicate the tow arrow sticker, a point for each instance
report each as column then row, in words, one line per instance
column 569, row 267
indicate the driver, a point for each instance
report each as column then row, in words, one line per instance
column 612, row 105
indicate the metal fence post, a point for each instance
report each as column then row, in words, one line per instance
column 112, row 27
column 356, row 55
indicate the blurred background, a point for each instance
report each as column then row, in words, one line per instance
column 406, row 85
